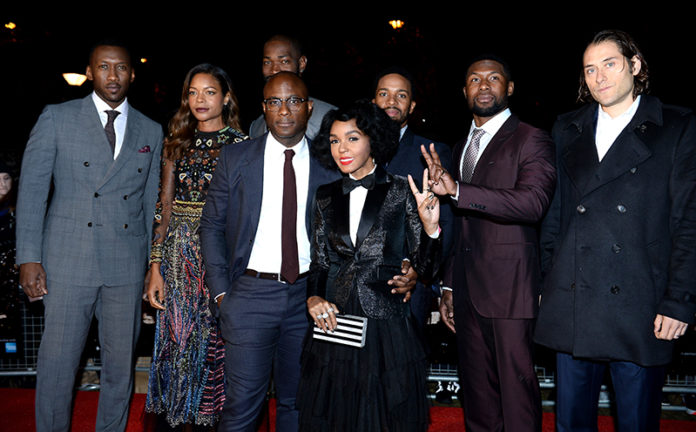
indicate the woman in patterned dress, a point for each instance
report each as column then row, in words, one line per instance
column 186, row 375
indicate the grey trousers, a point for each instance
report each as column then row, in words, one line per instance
column 68, row 314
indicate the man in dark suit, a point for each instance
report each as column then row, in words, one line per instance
column 284, row 53
column 618, row 255
column 394, row 94
column 87, row 254
column 503, row 185
column 261, row 289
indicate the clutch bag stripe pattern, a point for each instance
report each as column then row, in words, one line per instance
column 350, row 331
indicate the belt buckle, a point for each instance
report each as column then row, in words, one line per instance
column 280, row 279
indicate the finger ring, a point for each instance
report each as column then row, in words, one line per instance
column 324, row 315
column 431, row 195
column 330, row 310
column 318, row 316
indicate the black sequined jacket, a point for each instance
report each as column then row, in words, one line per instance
column 389, row 231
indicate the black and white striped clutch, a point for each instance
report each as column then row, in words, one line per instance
column 350, row 331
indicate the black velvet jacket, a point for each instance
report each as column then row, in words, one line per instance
column 389, row 231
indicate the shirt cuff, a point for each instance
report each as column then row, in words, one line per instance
column 455, row 197
column 219, row 295
column 444, row 288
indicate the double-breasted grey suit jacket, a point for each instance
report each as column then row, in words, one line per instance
column 97, row 228
column 619, row 241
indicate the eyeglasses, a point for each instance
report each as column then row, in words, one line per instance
column 293, row 103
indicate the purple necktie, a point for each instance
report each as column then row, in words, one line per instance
column 290, row 266
column 109, row 129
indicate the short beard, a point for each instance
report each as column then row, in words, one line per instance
column 498, row 106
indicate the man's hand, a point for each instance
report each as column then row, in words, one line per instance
column 669, row 328
column 447, row 310
column 405, row 282
column 218, row 299
column 440, row 182
column 32, row 278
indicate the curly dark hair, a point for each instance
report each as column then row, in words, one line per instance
column 629, row 49
column 183, row 125
column 371, row 120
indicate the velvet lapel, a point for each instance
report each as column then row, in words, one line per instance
column 373, row 205
column 341, row 204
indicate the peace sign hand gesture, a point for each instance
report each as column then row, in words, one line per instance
column 428, row 204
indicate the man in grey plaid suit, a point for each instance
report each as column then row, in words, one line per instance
column 85, row 251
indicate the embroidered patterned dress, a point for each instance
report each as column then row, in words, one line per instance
column 187, row 371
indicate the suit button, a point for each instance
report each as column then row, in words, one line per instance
column 616, row 248
column 125, row 226
column 89, row 224
column 96, row 194
column 467, row 249
column 581, row 209
column 86, row 164
column 621, row 208
column 572, row 286
column 614, row 289
column 140, row 170
column 125, row 197
column 633, row 170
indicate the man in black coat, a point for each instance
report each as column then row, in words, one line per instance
column 619, row 241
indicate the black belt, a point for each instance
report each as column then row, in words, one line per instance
column 272, row 276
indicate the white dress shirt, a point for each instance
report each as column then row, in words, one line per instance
column 266, row 253
column 608, row 128
column 357, row 202
column 119, row 122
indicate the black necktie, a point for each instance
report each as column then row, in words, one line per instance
column 109, row 129
column 368, row 182
column 290, row 265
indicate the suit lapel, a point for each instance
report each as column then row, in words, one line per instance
column 94, row 131
column 373, row 205
column 129, row 146
column 341, row 226
column 493, row 148
column 251, row 170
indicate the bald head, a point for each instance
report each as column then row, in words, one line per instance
column 287, row 107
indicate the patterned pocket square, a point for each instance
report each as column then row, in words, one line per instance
column 145, row 149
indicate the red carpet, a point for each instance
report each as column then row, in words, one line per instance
column 17, row 414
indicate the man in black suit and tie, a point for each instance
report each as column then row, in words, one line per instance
column 85, row 252
column 261, row 196
column 619, row 255
column 394, row 94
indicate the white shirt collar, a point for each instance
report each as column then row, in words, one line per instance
column 624, row 117
column 301, row 148
column 492, row 126
column 103, row 106
column 402, row 131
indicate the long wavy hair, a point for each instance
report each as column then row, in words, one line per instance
column 183, row 125
column 628, row 48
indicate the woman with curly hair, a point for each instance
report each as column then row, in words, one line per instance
column 363, row 226
column 186, row 375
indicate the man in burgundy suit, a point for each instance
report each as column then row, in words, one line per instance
column 503, row 185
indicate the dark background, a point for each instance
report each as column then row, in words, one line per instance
column 346, row 47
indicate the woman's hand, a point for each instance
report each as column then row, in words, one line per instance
column 428, row 205
column 155, row 288
column 323, row 313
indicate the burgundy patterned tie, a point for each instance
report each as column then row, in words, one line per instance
column 290, row 266
column 469, row 162
column 109, row 129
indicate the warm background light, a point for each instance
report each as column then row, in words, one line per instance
column 11, row 26
column 74, row 79
column 143, row 60
column 396, row 24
